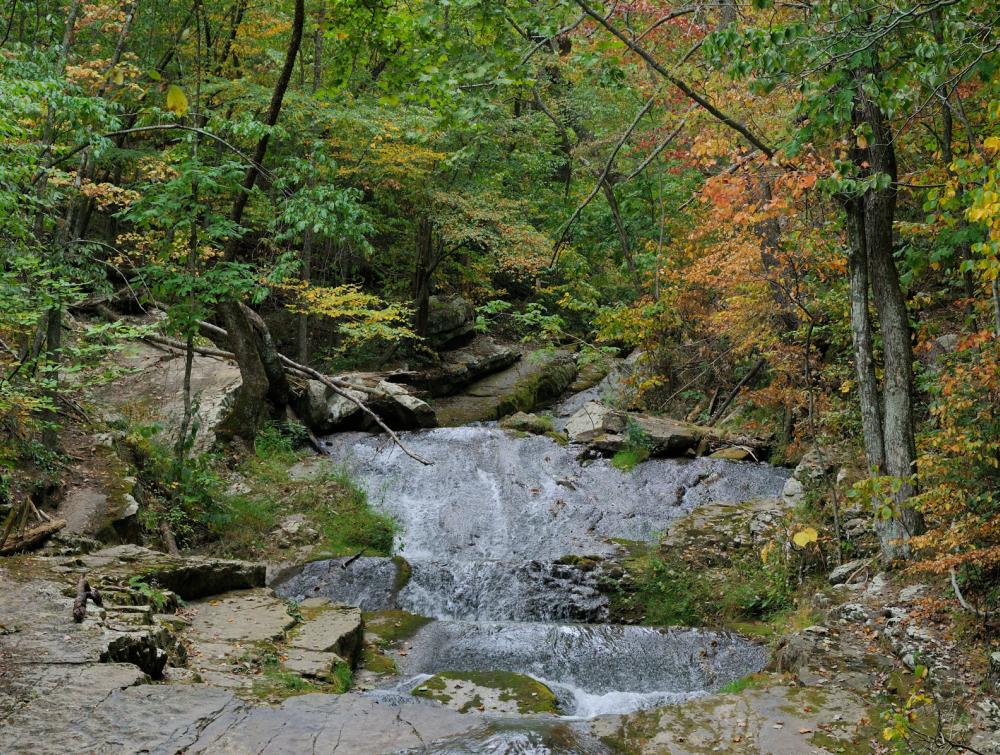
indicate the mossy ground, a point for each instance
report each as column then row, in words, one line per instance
column 273, row 683
column 393, row 625
column 529, row 695
column 377, row 662
column 276, row 684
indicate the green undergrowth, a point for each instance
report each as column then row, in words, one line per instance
column 373, row 660
column 273, row 683
column 637, row 448
column 232, row 505
column 751, row 681
column 662, row 589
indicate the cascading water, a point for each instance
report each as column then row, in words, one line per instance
column 484, row 531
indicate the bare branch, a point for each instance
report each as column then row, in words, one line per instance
column 722, row 117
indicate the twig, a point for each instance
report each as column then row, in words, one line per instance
column 352, row 559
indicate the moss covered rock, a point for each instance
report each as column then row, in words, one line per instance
column 553, row 375
column 528, row 423
column 494, row 691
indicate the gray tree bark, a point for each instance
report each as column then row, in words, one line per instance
column 879, row 208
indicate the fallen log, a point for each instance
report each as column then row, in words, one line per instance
column 32, row 537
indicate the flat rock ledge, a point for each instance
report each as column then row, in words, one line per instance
column 606, row 431
column 92, row 686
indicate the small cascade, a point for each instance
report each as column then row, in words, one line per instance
column 498, row 590
column 594, row 668
column 491, row 535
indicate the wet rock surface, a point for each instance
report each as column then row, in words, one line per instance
column 593, row 669
column 539, row 377
column 532, row 498
column 460, row 367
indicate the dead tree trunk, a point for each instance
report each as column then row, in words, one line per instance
column 252, row 345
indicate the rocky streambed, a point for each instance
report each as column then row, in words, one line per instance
column 496, row 546
column 489, row 630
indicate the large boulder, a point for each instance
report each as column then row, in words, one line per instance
column 669, row 437
column 523, row 422
column 595, row 419
column 150, row 388
column 325, row 410
column 450, row 320
column 538, row 378
column 400, row 409
column 459, row 367
column 608, row 431
column 555, row 371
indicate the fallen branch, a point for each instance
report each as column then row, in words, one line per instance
column 985, row 616
column 83, row 594
column 181, row 347
column 735, row 392
column 32, row 537
column 316, row 375
column 341, row 389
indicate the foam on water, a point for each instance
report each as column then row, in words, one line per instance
column 483, row 529
column 492, row 496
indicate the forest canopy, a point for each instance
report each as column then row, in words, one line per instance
column 799, row 200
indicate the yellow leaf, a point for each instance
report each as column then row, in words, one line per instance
column 803, row 537
column 862, row 141
column 117, row 76
column 177, row 102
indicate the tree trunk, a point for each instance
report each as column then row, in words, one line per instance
column 609, row 193
column 897, row 426
column 422, row 275
column 248, row 408
column 53, row 357
column 318, row 47
column 252, row 345
column 302, row 336
column 861, row 337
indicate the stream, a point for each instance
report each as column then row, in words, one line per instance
column 486, row 531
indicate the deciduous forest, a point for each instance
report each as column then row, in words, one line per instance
column 362, row 324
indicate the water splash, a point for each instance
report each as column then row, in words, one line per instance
column 483, row 531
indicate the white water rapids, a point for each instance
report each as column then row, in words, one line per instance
column 483, row 530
